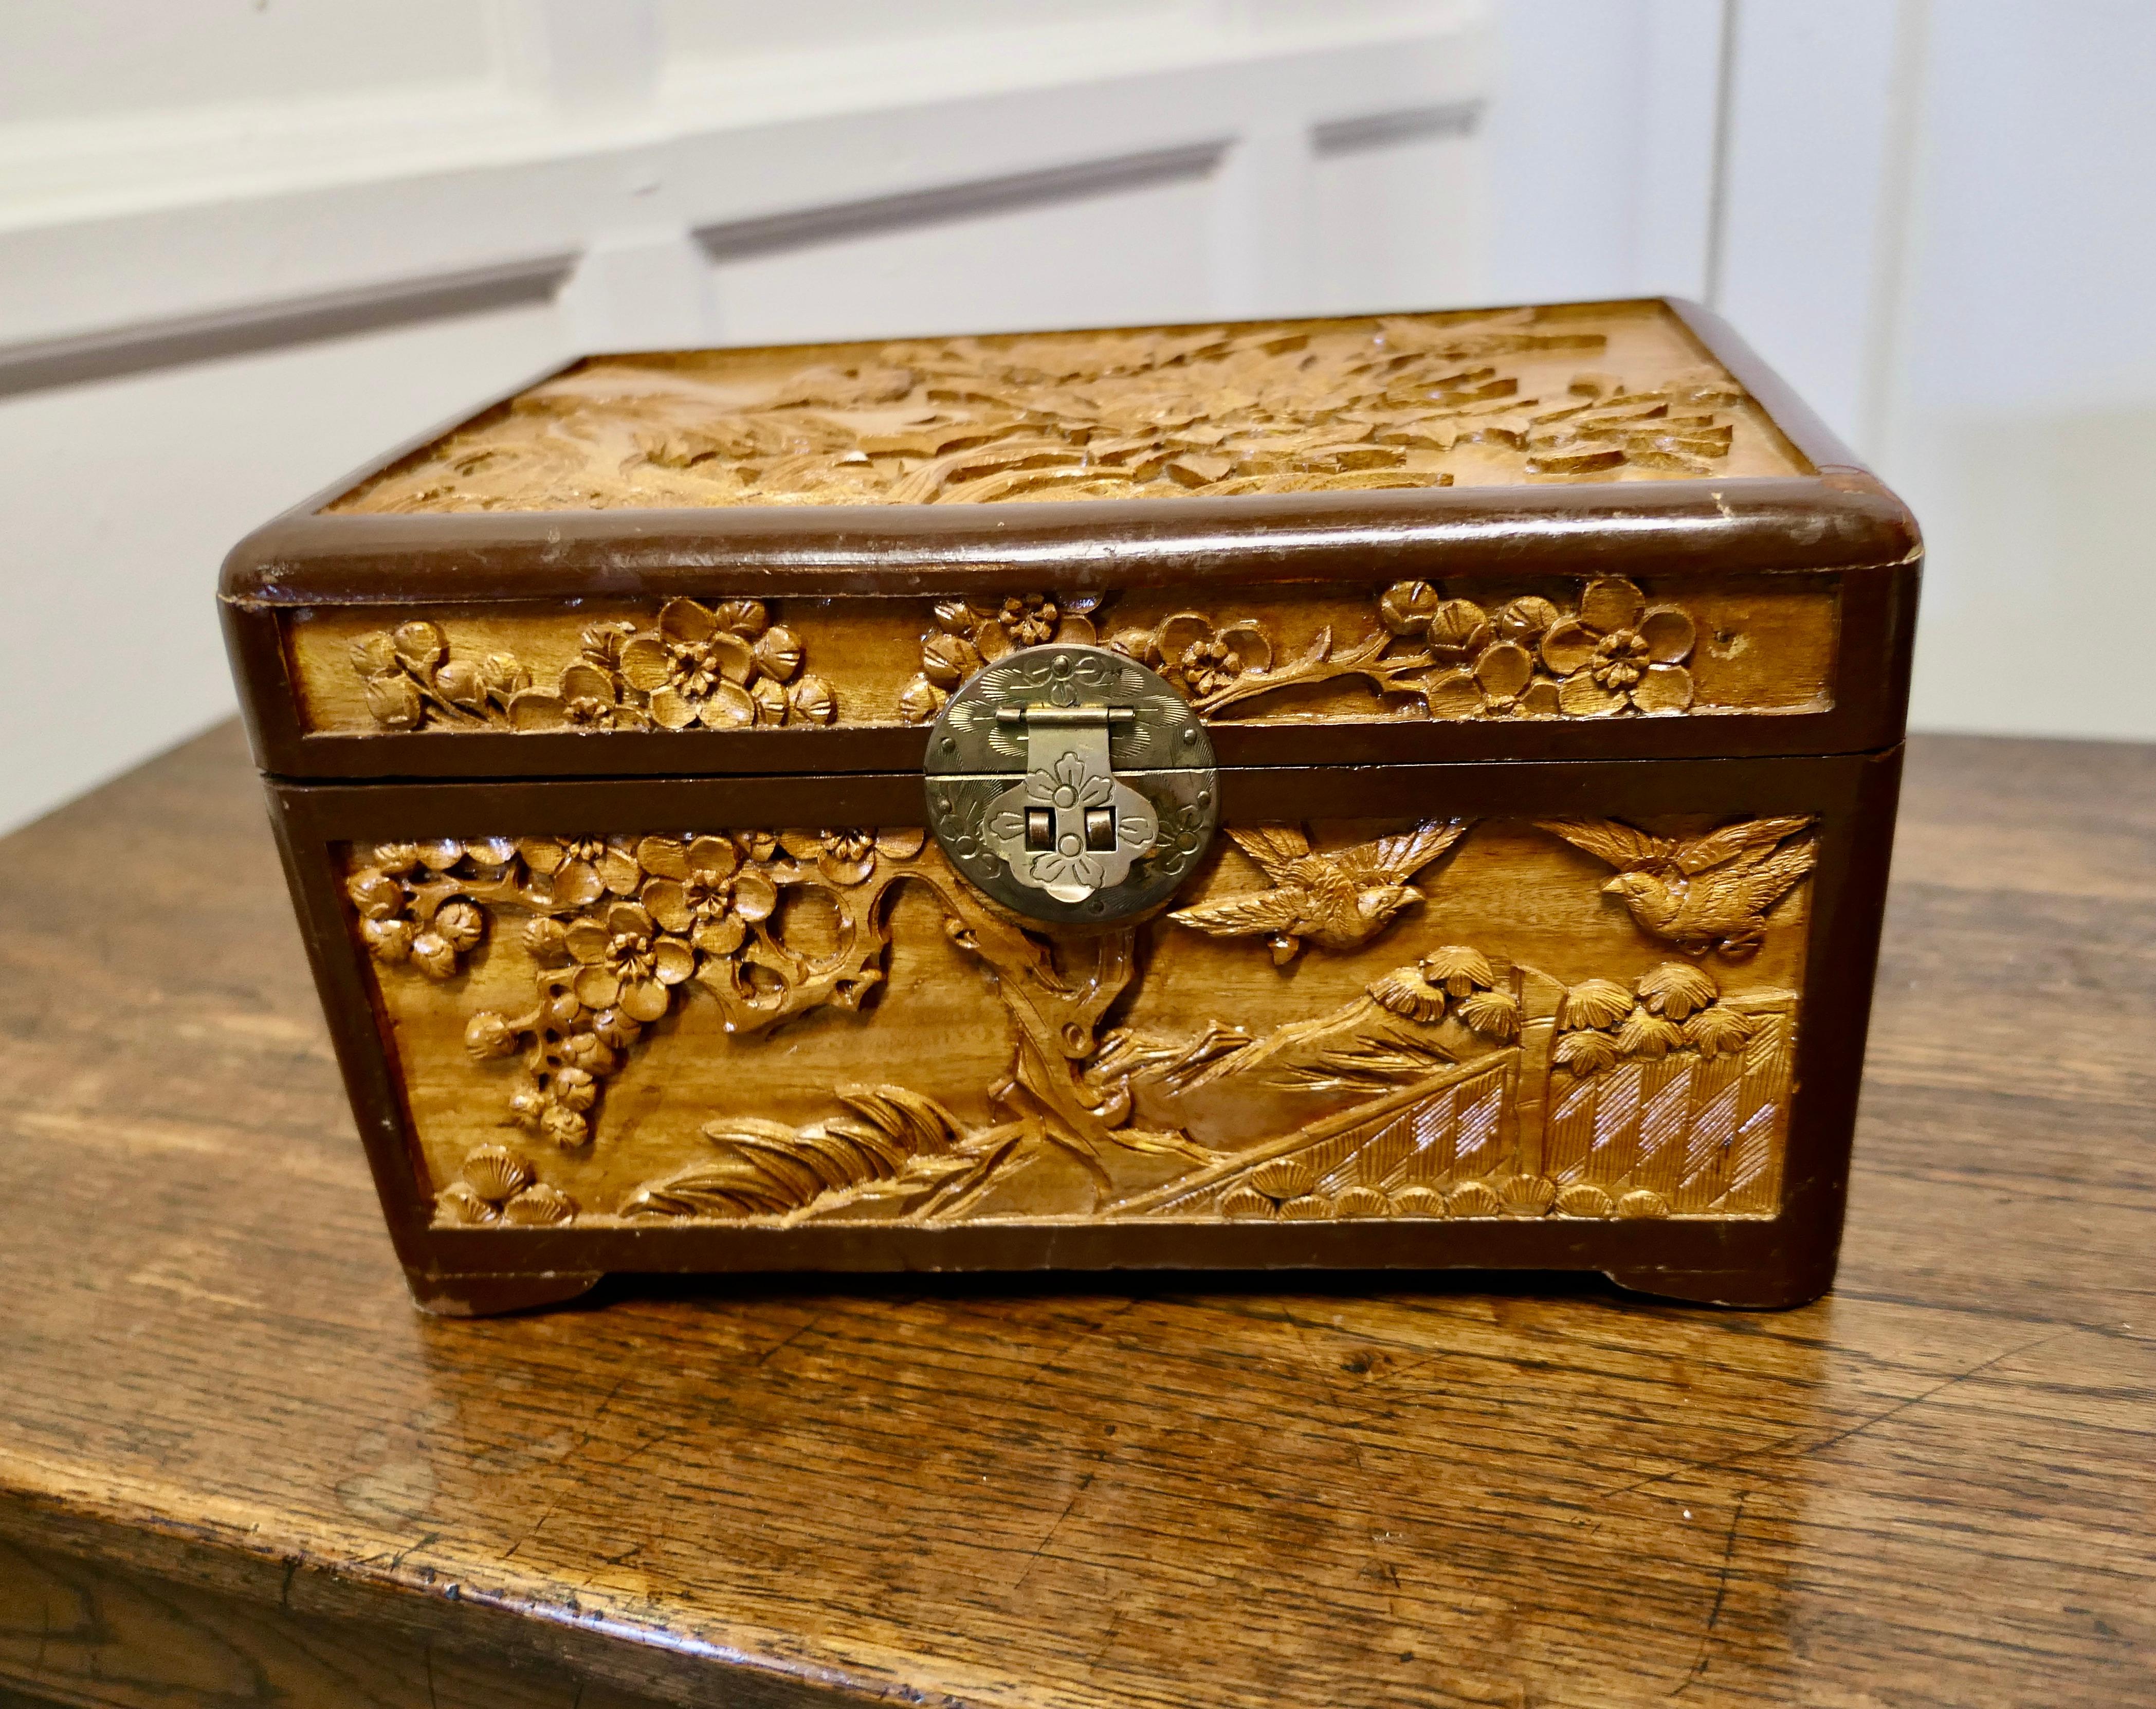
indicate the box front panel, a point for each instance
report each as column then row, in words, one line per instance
column 1577, row 995
column 1360, row 1017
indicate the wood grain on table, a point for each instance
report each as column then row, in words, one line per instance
column 237, row 1468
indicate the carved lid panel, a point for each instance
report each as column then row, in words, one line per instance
column 1601, row 392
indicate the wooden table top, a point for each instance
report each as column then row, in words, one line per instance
column 236, row 1467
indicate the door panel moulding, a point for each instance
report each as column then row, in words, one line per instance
column 38, row 365
column 732, row 240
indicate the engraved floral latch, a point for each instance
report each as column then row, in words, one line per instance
column 1070, row 829
column 1116, row 798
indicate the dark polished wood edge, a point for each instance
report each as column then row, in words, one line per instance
column 1868, row 696
column 1780, row 1261
column 1839, row 519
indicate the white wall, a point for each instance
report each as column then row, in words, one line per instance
column 1938, row 217
column 1603, row 140
column 2018, row 411
column 245, row 243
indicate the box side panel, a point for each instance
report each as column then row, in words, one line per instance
column 1606, row 1016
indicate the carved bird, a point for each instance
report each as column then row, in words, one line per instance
column 1700, row 893
column 1338, row 898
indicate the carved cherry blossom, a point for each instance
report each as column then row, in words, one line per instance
column 1029, row 620
column 564, row 1127
column 969, row 633
column 1202, row 659
column 1140, row 645
column 389, row 940
column 488, row 1034
column 811, row 700
column 997, row 626
column 591, row 1056
column 1406, row 607
column 603, row 642
column 433, row 955
column 460, row 925
column 843, row 857
column 579, row 871
column 587, row 698
column 1502, row 685
column 394, row 701
column 745, row 617
column 1525, row 620
column 723, row 666
column 409, row 670
column 1619, row 652
column 702, row 891
column 778, row 654
column 947, row 660
column 921, row 699
column 414, row 917
column 696, row 671
column 1454, row 630
column 375, row 894
column 574, row 1088
column 626, row 958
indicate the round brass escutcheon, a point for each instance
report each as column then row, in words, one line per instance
column 1071, row 784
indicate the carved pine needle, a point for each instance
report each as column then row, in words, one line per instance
column 887, row 1136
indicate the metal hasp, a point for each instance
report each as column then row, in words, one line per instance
column 1071, row 784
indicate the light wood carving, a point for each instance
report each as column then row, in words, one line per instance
column 726, row 666
column 1616, row 390
column 1339, row 899
column 1579, row 648
column 833, row 1025
column 1699, row 893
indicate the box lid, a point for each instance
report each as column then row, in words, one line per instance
column 1591, row 530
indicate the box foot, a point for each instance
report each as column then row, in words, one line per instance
column 1749, row 1289
column 490, row 1296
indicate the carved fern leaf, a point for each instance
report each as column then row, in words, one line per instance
column 766, row 1169
column 1366, row 1065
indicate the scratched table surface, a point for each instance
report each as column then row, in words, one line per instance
column 236, row 1467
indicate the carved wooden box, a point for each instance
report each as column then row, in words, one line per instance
column 1411, row 791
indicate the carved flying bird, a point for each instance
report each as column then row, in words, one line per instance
column 1339, row 898
column 1699, row 893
